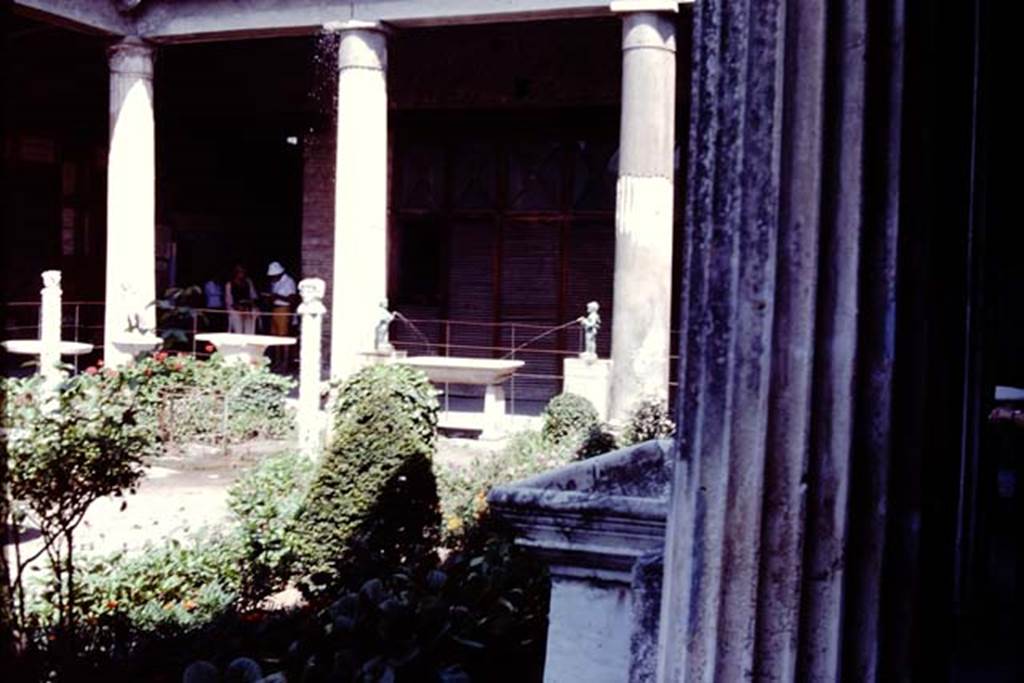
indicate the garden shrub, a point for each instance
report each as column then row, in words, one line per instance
column 264, row 502
column 649, row 420
column 209, row 401
column 177, row 585
column 567, row 416
column 463, row 489
column 373, row 499
column 570, row 419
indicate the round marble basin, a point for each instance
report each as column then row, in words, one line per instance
column 464, row 370
column 34, row 347
column 243, row 347
column 133, row 345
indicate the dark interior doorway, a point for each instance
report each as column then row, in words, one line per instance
column 989, row 529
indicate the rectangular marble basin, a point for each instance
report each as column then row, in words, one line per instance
column 453, row 370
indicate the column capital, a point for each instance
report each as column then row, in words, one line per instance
column 132, row 55
column 648, row 31
column 361, row 44
column 357, row 25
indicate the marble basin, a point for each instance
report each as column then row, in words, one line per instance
column 243, row 348
column 134, row 344
column 442, row 369
column 34, row 347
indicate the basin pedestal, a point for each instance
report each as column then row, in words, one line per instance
column 489, row 372
column 590, row 378
column 600, row 527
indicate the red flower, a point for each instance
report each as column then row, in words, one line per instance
column 90, row 370
column 160, row 356
column 99, row 363
column 208, row 348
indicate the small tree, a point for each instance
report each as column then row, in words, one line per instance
column 68, row 447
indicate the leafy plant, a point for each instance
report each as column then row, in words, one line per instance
column 479, row 616
column 167, row 587
column 567, row 416
column 68, row 446
column 265, row 502
column 373, row 499
column 570, row 419
column 649, row 420
column 188, row 399
column 463, row 488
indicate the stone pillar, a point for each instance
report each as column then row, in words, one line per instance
column 49, row 326
column 360, row 197
column 131, row 197
column 643, row 211
column 311, row 312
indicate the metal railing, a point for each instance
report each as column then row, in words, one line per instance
column 527, row 391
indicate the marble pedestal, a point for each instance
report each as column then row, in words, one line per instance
column 597, row 524
column 589, row 378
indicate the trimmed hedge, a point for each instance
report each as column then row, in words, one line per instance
column 568, row 416
column 373, row 501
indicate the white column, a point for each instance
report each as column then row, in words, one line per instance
column 641, row 315
column 49, row 327
column 131, row 197
column 311, row 312
column 360, row 197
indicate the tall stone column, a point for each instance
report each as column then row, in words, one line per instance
column 360, row 198
column 131, row 197
column 641, row 315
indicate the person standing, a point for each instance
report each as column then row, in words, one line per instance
column 283, row 295
column 213, row 301
column 240, row 299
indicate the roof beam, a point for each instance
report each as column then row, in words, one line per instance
column 205, row 20
column 88, row 17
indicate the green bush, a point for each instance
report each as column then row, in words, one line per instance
column 264, row 502
column 571, row 420
column 373, row 499
column 192, row 400
column 463, row 489
column 168, row 588
column 649, row 420
column 567, row 416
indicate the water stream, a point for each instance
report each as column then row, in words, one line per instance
column 539, row 336
column 417, row 332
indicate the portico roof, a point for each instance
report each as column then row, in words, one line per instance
column 204, row 20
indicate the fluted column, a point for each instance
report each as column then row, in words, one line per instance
column 131, row 196
column 643, row 212
column 360, row 199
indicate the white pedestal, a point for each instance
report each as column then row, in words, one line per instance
column 591, row 379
